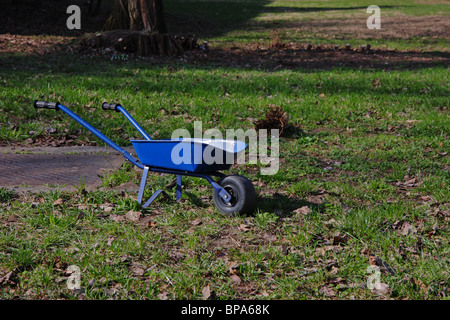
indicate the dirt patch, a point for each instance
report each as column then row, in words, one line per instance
column 398, row 26
column 28, row 30
column 13, row 43
column 29, row 169
column 294, row 55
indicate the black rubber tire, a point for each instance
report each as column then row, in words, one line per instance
column 243, row 196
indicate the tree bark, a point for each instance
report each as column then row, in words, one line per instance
column 142, row 15
column 144, row 19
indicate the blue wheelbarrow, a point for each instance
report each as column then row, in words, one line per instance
column 182, row 157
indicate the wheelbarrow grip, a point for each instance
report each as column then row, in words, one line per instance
column 45, row 105
column 110, row 106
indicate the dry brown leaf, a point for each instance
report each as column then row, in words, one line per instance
column 133, row 216
column 163, row 295
column 380, row 288
column 340, row 239
column 269, row 237
column 206, row 292
column 137, row 269
column 407, row 228
column 110, row 241
column 82, row 207
column 196, row 222
column 244, row 227
column 303, row 210
column 235, row 279
column 264, row 293
column 275, row 118
column 327, row 291
column 9, row 278
column 233, row 267
column 375, row 261
column 58, row 202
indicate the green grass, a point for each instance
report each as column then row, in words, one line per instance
column 357, row 139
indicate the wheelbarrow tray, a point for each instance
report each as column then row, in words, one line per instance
column 191, row 155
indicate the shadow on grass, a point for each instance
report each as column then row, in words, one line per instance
column 285, row 206
column 204, row 18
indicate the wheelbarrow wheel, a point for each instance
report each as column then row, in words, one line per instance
column 243, row 196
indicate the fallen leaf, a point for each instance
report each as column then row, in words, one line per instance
column 327, row 291
column 235, row 279
column 106, row 208
column 163, row 296
column 337, row 281
column 91, row 283
column 118, row 218
column 284, row 249
column 375, row 261
column 269, row 237
column 244, row 227
column 9, row 278
column 303, row 210
column 110, row 240
column 376, row 82
column 137, row 269
column 233, row 267
column 196, row 222
column 418, row 283
column 334, row 270
column 58, row 202
column 264, row 293
column 407, row 228
column 340, row 239
column 380, row 288
column 206, row 292
column 133, row 216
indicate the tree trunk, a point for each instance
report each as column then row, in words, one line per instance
column 147, row 32
column 139, row 15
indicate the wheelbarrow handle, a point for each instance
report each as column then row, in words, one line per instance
column 45, row 105
column 110, row 106
column 118, row 108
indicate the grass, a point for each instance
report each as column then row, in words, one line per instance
column 364, row 169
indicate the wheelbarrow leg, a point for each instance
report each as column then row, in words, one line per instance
column 178, row 187
column 142, row 185
column 152, row 198
column 158, row 192
column 142, row 188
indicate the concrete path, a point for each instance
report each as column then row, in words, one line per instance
column 41, row 168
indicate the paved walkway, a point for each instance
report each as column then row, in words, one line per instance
column 30, row 169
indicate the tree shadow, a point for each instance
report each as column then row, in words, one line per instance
column 48, row 17
column 205, row 18
column 208, row 18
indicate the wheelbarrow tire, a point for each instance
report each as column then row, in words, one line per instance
column 243, row 196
